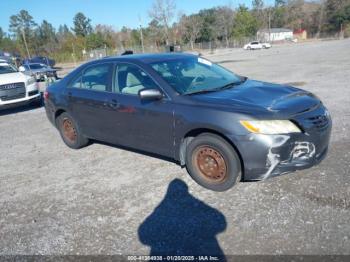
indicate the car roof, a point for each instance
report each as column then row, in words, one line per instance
column 150, row 58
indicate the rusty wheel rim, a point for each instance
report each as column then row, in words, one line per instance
column 69, row 131
column 210, row 163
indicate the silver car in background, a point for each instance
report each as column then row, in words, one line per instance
column 39, row 71
column 255, row 45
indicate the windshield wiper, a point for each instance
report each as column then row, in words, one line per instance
column 227, row 86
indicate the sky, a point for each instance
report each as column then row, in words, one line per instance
column 116, row 13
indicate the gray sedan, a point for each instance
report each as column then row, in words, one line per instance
column 39, row 71
column 223, row 127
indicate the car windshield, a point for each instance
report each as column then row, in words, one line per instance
column 6, row 69
column 195, row 75
column 36, row 66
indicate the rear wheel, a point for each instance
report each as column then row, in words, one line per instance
column 70, row 132
column 212, row 162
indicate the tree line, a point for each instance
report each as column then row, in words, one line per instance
column 167, row 26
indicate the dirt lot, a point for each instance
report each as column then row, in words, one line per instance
column 104, row 200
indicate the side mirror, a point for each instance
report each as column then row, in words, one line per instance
column 21, row 69
column 150, row 94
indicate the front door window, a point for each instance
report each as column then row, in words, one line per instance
column 131, row 79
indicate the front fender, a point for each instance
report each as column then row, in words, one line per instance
column 201, row 120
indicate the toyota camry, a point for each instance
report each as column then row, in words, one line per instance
column 221, row 126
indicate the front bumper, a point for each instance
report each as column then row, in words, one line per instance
column 266, row 156
column 31, row 94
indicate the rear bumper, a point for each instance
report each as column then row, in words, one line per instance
column 266, row 156
column 50, row 112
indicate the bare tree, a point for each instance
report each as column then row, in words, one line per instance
column 155, row 33
column 224, row 22
column 178, row 29
column 163, row 12
column 124, row 37
column 258, row 12
column 191, row 27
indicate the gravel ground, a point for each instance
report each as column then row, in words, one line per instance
column 104, row 200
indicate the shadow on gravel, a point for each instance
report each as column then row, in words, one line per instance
column 183, row 225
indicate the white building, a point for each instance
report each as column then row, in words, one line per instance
column 274, row 34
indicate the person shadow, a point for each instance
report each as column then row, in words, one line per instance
column 183, row 225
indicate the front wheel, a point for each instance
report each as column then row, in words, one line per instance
column 212, row 162
column 70, row 132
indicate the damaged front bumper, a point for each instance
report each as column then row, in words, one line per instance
column 266, row 156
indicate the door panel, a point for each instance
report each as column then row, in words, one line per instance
column 122, row 118
column 89, row 101
column 145, row 125
column 91, row 111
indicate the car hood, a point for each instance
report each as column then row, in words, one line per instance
column 13, row 78
column 261, row 96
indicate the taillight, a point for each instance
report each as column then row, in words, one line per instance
column 46, row 95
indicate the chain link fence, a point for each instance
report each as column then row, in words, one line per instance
column 198, row 47
column 95, row 54
column 195, row 47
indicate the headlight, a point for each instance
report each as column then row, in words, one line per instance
column 270, row 127
column 31, row 81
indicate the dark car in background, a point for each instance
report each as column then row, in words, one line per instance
column 40, row 60
column 12, row 58
column 39, row 71
column 5, row 57
column 223, row 127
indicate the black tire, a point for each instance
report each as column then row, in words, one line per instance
column 74, row 137
column 223, row 160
